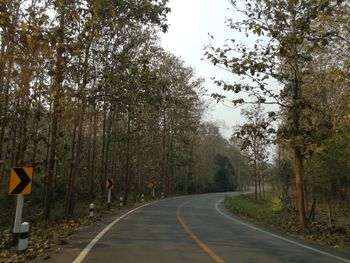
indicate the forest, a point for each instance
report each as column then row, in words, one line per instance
column 87, row 93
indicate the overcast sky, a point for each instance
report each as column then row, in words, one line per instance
column 190, row 22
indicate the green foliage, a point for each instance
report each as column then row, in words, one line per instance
column 328, row 172
column 283, row 177
column 225, row 178
column 276, row 204
column 262, row 211
column 254, row 136
column 209, row 146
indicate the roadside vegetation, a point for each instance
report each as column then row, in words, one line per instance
column 273, row 214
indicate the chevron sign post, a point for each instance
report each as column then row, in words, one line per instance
column 21, row 181
column 20, row 184
column 109, row 186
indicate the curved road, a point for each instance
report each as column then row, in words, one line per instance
column 196, row 229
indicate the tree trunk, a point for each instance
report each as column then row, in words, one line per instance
column 298, row 157
column 259, row 185
column 329, row 213
column 51, row 158
column 57, row 93
column 79, row 145
column 306, row 197
column 72, row 168
column 7, row 39
column 127, row 172
column 312, row 212
column 256, row 185
column 263, row 185
column 93, row 161
column 3, row 112
column 106, row 171
column 103, row 151
column 164, row 151
column 299, row 185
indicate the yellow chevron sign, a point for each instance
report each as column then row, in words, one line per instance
column 21, row 181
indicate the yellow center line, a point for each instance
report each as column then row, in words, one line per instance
column 203, row 246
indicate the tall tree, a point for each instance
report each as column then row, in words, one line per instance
column 287, row 39
column 254, row 137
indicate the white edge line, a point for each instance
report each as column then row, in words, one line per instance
column 92, row 243
column 277, row 236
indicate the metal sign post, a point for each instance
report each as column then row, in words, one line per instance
column 18, row 219
column 20, row 184
column 152, row 184
column 109, row 186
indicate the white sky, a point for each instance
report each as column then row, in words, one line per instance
column 190, row 22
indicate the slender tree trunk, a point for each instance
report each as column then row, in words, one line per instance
column 171, row 176
column 81, row 114
column 36, row 128
column 93, row 161
column 24, row 110
column 14, row 137
column 72, row 168
column 4, row 108
column 55, row 171
column 88, row 157
column 164, row 152
column 256, row 186
column 51, row 159
column 57, row 93
column 306, row 197
column 255, row 168
column 298, row 157
column 76, row 171
column 299, row 185
column 106, row 163
column 127, row 172
column 102, row 173
column 259, row 184
column 89, row 160
column 313, row 209
column 263, row 185
column 139, row 163
column 329, row 213
column 48, row 146
column 8, row 53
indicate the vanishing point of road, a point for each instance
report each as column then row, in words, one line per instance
column 189, row 229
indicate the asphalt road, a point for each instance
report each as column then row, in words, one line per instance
column 194, row 229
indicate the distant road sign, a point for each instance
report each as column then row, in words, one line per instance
column 21, row 181
column 152, row 184
column 109, row 183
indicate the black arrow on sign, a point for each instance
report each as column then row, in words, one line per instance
column 25, row 180
column 109, row 183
